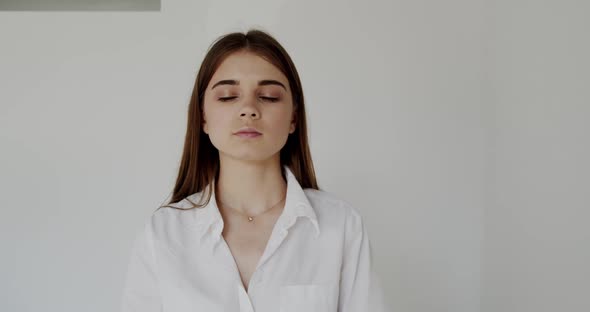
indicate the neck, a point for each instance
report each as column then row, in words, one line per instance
column 248, row 187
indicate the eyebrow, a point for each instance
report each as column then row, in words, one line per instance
column 234, row 82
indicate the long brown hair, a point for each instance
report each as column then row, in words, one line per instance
column 199, row 165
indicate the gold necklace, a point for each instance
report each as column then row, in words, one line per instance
column 251, row 218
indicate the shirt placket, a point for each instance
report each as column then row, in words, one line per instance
column 277, row 237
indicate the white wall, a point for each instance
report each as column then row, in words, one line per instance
column 448, row 107
column 537, row 238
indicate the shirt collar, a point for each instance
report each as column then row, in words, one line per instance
column 208, row 220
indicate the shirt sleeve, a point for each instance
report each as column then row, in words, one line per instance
column 141, row 291
column 360, row 286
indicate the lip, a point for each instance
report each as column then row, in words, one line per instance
column 248, row 134
column 249, row 131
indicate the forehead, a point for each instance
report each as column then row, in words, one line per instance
column 247, row 66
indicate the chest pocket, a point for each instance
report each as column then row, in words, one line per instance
column 309, row 298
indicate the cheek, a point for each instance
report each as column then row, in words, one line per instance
column 219, row 125
column 214, row 117
column 280, row 128
column 284, row 122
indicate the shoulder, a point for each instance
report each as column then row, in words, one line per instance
column 334, row 207
column 328, row 200
column 177, row 215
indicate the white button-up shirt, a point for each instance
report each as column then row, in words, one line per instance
column 318, row 258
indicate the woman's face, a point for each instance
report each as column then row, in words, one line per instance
column 248, row 91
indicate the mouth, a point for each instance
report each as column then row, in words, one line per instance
column 247, row 134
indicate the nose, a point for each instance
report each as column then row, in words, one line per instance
column 249, row 109
column 254, row 115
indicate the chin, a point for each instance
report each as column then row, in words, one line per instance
column 252, row 155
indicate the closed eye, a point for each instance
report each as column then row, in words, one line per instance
column 266, row 98
column 272, row 99
column 225, row 99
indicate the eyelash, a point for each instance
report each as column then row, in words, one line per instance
column 271, row 99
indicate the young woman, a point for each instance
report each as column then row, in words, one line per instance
column 247, row 228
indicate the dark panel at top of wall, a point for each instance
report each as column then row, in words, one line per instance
column 80, row 5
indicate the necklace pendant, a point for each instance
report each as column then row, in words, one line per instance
column 250, row 218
